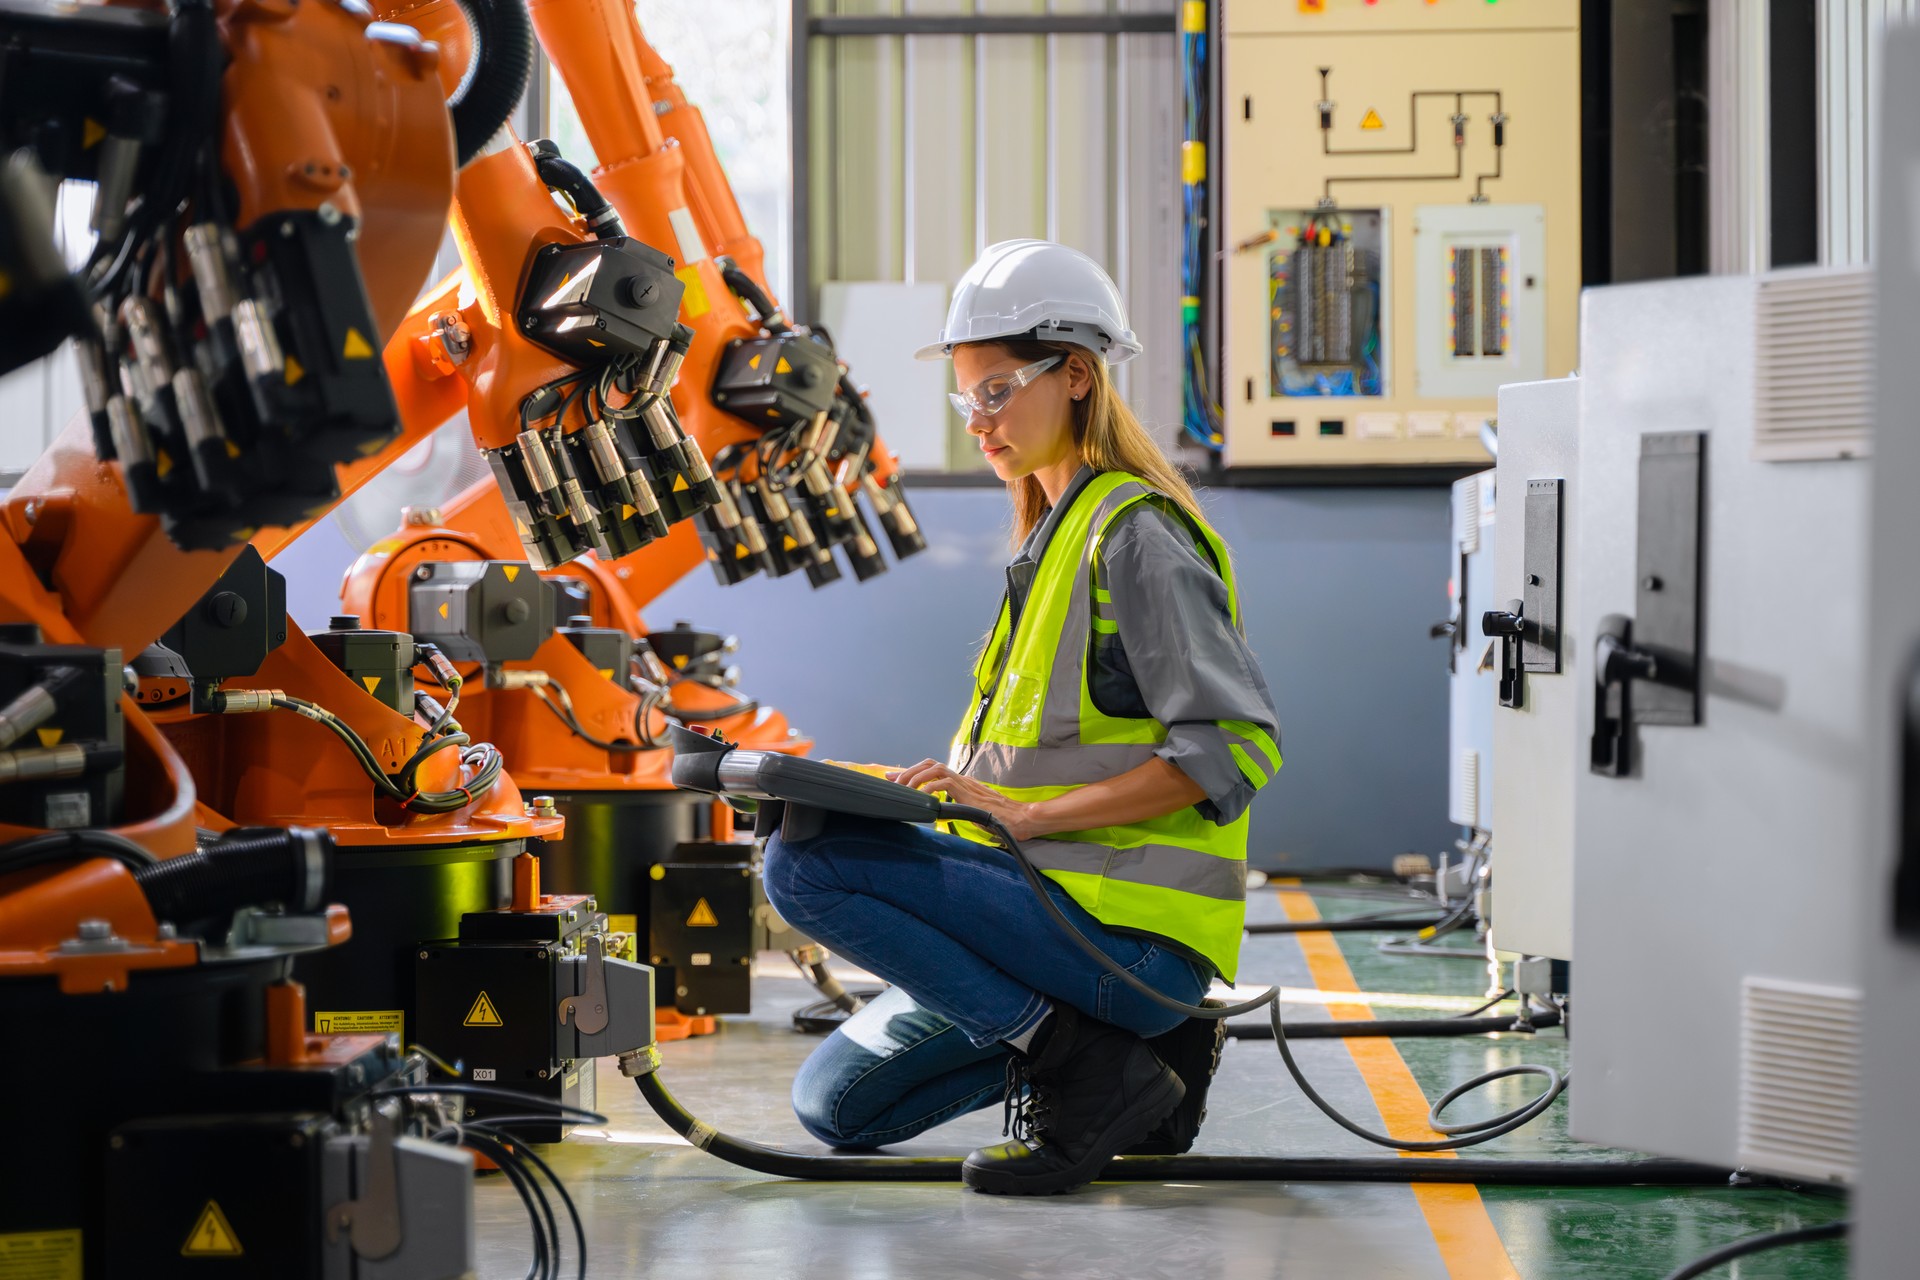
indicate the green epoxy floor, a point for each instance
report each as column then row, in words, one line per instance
column 1587, row 1234
column 654, row 1206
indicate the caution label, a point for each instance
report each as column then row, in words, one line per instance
column 356, row 347
column 702, row 916
column 483, row 1014
column 40, row 1255
column 511, row 570
column 1372, row 121
column 361, row 1022
column 212, row 1236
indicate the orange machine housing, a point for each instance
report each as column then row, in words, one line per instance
column 542, row 752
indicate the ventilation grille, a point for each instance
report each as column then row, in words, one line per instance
column 1470, row 517
column 1799, row 1079
column 1469, row 799
column 1814, row 366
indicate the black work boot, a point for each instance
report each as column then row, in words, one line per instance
column 1092, row 1091
column 1192, row 1049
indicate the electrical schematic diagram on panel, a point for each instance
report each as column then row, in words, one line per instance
column 1400, row 231
column 1324, row 304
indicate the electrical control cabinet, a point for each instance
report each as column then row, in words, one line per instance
column 1537, row 738
column 1471, row 688
column 1401, row 207
column 1888, row 914
column 1718, row 808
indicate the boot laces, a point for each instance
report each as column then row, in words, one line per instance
column 1027, row 1106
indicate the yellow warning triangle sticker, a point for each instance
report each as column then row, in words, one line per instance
column 754, row 361
column 511, row 570
column 212, row 1236
column 162, row 464
column 702, row 917
column 356, row 347
column 372, row 682
column 372, row 446
column 592, row 343
column 50, row 737
column 680, row 660
column 788, row 543
column 783, row 366
column 233, row 450
column 520, row 526
column 679, row 484
column 91, row 131
column 606, row 673
column 626, row 511
column 1372, row 121
column 483, row 1014
column 740, row 551
column 295, row 371
column 443, row 610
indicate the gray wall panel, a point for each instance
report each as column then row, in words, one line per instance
column 1338, row 589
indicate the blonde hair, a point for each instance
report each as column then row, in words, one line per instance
column 1106, row 434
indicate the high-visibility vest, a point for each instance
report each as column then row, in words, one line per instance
column 1035, row 733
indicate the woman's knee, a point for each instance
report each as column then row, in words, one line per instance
column 821, row 1087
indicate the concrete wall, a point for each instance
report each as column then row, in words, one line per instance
column 1339, row 588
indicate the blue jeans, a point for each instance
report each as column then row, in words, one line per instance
column 974, row 960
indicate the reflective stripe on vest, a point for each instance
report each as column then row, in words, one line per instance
column 1038, row 735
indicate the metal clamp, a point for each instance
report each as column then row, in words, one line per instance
column 373, row 1220
column 589, row 1009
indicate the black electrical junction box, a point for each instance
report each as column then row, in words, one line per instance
column 86, row 685
column 701, row 918
column 381, row 662
column 778, row 380
column 599, row 299
column 608, row 649
column 481, row 610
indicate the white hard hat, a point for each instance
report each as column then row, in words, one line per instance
column 1041, row 290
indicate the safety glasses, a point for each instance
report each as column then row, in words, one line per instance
column 990, row 395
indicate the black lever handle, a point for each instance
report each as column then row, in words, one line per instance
column 1505, row 625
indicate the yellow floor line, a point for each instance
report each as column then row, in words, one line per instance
column 1469, row 1245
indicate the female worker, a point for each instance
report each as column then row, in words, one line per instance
column 1119, row 729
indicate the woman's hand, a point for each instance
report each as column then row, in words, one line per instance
column 1017, row 816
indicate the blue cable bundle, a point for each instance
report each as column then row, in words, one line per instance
column 1200, row 416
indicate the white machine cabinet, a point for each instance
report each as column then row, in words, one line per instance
column 1537, row 740
column 1717, row 877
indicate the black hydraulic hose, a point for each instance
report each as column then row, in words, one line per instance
column 1395, row 1027
column 748, row 290
column 565, row 176
column 496, row 79
column 1354, row 924
column 64, row 846
column 1756, row 1244
column 250, row 867
column 1392, row 1169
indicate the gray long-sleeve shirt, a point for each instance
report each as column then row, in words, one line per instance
column 1177, row 656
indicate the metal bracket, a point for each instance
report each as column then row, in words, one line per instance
column 372, row 1221
column 1540, row 638
column 1906, row 882
column 589, row 1009
column 1659, row 648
